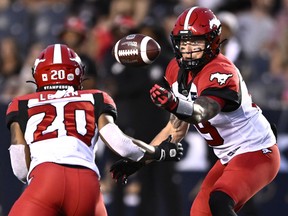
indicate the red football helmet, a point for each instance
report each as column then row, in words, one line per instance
column 58, row 67
column 197, row 22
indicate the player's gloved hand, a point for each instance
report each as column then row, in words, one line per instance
column 164, row 97
column 168, row 151
column 123, row 168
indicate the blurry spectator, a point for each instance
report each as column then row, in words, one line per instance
column 277, row 76
column 74, row 34
column 279, row 55
column 101, row 39
column 23, row 85
column 168, row 24
column 281, row 19
column 10, row 65
column 234, row 6
column 122, row 13
column 230, row 48
column 15, row 21
column 34, row 5
column 161, row 8
column 48, row 16
column 183, row 4
column 106, row 31
column 89, row 10
column 279, row 52
column 255, row 26
column 165, row 13
column 213, row 5
column 284, row 96
column 271, row 68
column 137, row 10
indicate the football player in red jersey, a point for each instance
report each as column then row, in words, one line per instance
column 53, row 136
column 205, row 89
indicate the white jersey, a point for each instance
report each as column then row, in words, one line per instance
column 240, row 126
column 61, row 127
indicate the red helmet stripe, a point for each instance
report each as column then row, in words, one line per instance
column 187, row 18
column 57, row 56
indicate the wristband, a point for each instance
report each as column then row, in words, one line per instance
column 184, row 108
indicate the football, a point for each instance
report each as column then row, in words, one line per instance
column 136, row 50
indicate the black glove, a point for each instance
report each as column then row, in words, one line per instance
column 168, row 151
column 123, row 168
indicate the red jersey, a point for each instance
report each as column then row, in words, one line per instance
column 240, row 126
column 61, row 126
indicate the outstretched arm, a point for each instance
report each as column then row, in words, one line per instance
column 175, row 127
column 132, row 148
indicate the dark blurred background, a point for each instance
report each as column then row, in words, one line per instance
column 257, row 34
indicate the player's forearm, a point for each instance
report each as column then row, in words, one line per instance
column 204, row 108
column 19, row 163
column 19, row 152
column 120, row 143
column 175, row 127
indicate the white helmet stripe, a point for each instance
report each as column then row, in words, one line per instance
column 186, row 23
column 57, row 57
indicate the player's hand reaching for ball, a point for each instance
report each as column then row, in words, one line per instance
column 168, row 151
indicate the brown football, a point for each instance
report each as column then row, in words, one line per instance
column 136, row 50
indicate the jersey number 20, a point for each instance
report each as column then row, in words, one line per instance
column 71, row 121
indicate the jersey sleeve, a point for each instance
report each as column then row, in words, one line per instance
column 104, row 104
column 172, row 71
column 221, row 81
column 12, row 113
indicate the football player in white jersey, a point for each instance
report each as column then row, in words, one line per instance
column 205, row 89
column 53, row 136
